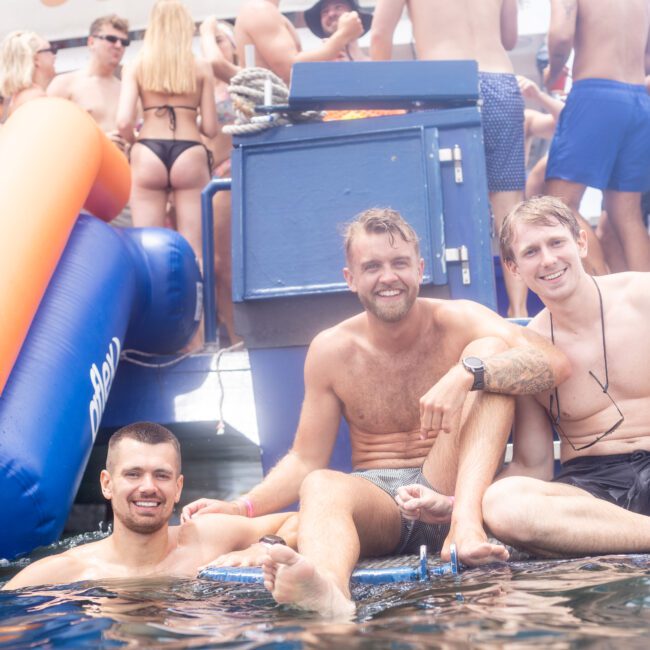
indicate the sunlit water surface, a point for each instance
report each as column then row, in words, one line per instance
column 586, row 603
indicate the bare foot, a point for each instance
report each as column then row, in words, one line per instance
column 293, row 579
column 473, row 547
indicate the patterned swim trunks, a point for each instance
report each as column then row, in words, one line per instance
column 502, row 115
column 413, row 534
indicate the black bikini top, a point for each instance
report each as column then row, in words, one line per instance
column 171, row 112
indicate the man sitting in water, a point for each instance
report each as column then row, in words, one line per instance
column 143, row 482
column 600, row 501
column 373, row 369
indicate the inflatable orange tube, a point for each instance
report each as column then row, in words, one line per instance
column 54, row 160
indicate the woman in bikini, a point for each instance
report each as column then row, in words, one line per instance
column 26, row 68
column 168, row 159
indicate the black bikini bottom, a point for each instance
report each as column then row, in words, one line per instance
column 169, row 150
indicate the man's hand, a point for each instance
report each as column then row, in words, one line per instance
column 209, row 506
column 418, row 502
column 209, row 26
column 528, row 88
column 251, row 556
column 350, row 26
column 117, row 139
column 441, row 405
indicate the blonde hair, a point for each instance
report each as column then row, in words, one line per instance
column 112, row 20
column 380, row 221
column 539, row 211
column 166, row 62
column 17, row 61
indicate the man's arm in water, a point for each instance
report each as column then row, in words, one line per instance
column 312, row 447
column 384, row 21
column 255, row 551
column 222, row 536
column 561, row 35
column 526, row 364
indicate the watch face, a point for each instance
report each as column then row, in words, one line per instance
column 473, row 362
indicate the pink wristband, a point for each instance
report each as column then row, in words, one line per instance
column 249, row 506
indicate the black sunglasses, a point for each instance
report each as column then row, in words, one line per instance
column 555, row 419
column 113, row 39
column 52, row 48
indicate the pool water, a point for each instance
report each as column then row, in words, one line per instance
column 596, row 603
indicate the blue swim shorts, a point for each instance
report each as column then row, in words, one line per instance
column 603, row 137
column 502, row 115
column 413, row 533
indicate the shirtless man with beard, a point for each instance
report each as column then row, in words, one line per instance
column 401, row 372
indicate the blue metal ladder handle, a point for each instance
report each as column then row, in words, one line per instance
column 207, row 236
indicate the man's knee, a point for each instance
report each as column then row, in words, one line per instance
column 323, row 482
column 508, row 509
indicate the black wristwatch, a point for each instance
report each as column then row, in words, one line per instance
column 477, row 368
column 271, row 539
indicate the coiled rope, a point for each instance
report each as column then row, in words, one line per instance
column 247, row 91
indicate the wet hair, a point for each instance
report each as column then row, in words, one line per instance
column 380, row 220
column 166, row 62
column 540, row 211
column 17, row 66
column 149, row 433
column 115, row 21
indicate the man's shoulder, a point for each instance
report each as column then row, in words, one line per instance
column 63, row 83
column 338, row 339
column 253, row 11
column 55, row 569
column 453, row 310
column 626, row 289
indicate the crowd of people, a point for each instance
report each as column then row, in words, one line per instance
column 430, row 388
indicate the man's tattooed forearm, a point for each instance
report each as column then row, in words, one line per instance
column 518, row 372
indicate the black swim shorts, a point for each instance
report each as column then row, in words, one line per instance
column 621, row 479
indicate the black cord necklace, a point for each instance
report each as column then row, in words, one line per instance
column 605, row 386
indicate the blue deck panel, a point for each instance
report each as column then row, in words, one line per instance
column 386, row 84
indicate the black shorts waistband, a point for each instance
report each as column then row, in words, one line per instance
column 638, row 454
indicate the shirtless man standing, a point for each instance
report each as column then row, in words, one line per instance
column 603, row 135
column 277, row 46
column 143, row 482
column 95, row 87
column 373, row 369
column 600, row 501
column 481, row 30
